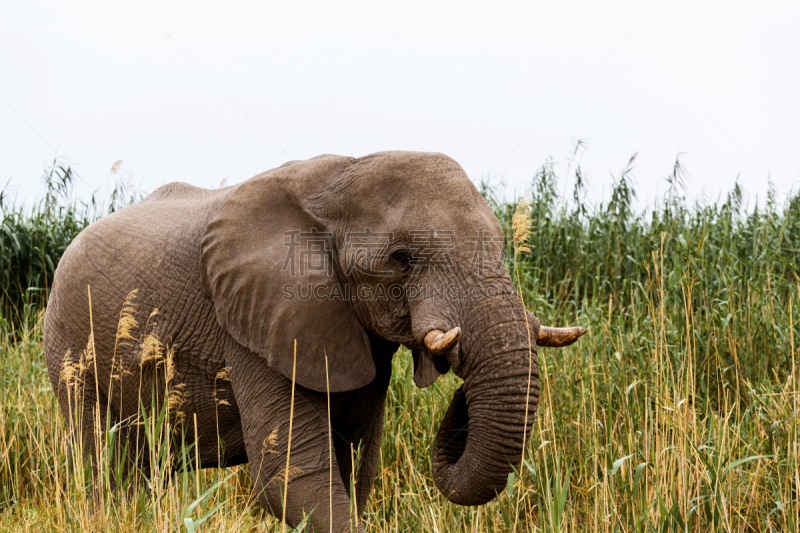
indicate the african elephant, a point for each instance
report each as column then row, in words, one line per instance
column 308, row 270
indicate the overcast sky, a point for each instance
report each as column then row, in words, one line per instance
column 201, row 91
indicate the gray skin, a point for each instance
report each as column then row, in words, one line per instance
column 212, row 263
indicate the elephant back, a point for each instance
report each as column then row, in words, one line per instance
column 152, row 248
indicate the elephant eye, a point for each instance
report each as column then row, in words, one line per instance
column 402, row 257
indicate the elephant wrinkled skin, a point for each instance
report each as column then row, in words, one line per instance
column 350, row 258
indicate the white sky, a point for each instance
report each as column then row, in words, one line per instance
column 198, row 91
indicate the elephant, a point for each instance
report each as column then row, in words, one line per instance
column 305, row 280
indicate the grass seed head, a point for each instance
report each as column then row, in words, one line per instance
column 521, row 223
column 151, row 350
column 224, row 374
column 127, row 323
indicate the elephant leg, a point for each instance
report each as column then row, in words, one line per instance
column 360, row 425
column 85, row 409
column 365, row 443
column 264, row 400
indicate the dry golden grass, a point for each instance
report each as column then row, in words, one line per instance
column 620, row 444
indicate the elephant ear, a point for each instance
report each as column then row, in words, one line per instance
column 269, row 267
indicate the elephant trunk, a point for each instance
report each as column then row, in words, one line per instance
column 481, row 435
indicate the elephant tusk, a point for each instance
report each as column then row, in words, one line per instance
column 440, row 343
column 558, row 337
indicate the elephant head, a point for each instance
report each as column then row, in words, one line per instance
column 401, row 246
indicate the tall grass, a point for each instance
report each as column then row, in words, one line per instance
column 47, row 481
column 33, row 239
column 678, row 411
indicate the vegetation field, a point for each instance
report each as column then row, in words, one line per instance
column 678, row 411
